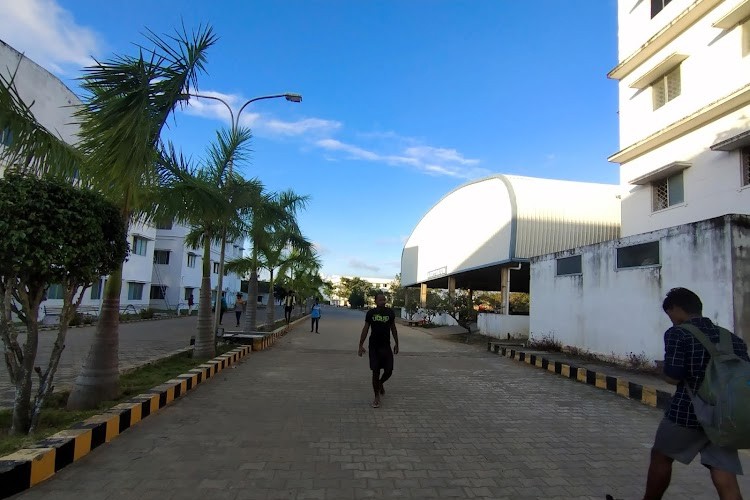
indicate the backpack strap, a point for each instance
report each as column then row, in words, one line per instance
column 703, row 338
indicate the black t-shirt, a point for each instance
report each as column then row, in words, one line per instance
column 380, row 321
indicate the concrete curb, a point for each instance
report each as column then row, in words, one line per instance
column 622, row 387
column 25, row 468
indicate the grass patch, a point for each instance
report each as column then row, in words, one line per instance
column 55, row 417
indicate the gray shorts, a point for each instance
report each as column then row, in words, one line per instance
column 683, row 444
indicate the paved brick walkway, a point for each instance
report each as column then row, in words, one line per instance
column 295, row 422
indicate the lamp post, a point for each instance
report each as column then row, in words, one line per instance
column 291, row 97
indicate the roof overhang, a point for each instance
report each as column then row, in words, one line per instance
column 661, row 172
column 716, row 109
column 735, row 142
column 486, row 278
column 734, row 16
column 662, row 68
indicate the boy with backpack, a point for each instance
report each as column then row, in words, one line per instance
column 710, row 410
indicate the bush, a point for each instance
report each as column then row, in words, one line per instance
column 146, row 313
column 546, row 343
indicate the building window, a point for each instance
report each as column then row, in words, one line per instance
column 6, row 137
column 644, row 254
column 164, row 224
column 216, row 268
column 96, row 290
column 746, row 38
column 666, row 88
column 157, row 291
column 657, row 6
column 140, row 245
column 668, row 192
column 161, row 257
column 569, row 265
column 188, row 293
column 745, row 155
column 55, row 292
column 191, row 260
column 135, row 290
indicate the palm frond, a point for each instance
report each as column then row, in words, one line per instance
column 29, row 147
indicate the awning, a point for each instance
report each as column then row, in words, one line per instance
column 735, row 142
column 661, row 69
column 660, row 173
column 734, row 16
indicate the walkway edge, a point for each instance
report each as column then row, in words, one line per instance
column 650, row 396
column 25, row 468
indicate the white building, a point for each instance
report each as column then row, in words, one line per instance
column 481, row 236
column 684, row 109
column 160, row 271
column 178, row 270
column 684, row 81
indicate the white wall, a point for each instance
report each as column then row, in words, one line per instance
column 53, row 102
column 503, row 326
column 606, row 310
column 712, row 184
column 716, row 66
column 481, row 212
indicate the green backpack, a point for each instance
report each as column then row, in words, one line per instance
column 722, row 403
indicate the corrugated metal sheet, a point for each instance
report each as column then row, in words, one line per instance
column 554, row 215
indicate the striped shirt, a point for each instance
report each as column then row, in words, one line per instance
column 685, row 359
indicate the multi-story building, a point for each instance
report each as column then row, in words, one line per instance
column 178, row 269
column 684, row 108
column 684, row 111
column 161, row 271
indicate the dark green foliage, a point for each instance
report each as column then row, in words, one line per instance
column 356, row 299
column 53, row 232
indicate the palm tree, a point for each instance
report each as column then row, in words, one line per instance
column 279, row 210
column 128, row 102
column 304, row 277
column 275, row 253
column 209, row 200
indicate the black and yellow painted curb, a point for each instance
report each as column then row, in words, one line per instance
column 619, row 385
column 27, row 467
column 270, row 339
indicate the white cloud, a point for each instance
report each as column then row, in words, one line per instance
column 428, row 153
column 428, row 159
column 260, row 123
column 47, row 34
column 358, row 264
column 320, row 248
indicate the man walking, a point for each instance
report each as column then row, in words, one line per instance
column 680, row 436
column 382, row 321
column 288, row 306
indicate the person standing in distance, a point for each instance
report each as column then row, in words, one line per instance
column 288, row 306
column 315, row 316
column 382, row 321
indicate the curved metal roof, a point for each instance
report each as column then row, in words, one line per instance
column 503, row 219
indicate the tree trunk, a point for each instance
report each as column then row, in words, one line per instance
column 205, row 344
column 21, row 422
column 46, row 380
column 251, row 320
column 270, row 313
column 99, row 379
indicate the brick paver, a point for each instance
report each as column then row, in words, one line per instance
column 457, row 422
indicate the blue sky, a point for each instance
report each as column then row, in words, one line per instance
column 403, row 100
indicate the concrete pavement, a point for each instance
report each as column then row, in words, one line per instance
column 295, row 422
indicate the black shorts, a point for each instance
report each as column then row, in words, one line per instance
column 288, row 308
column 381, row 358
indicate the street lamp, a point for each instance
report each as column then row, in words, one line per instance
column 289, row 96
